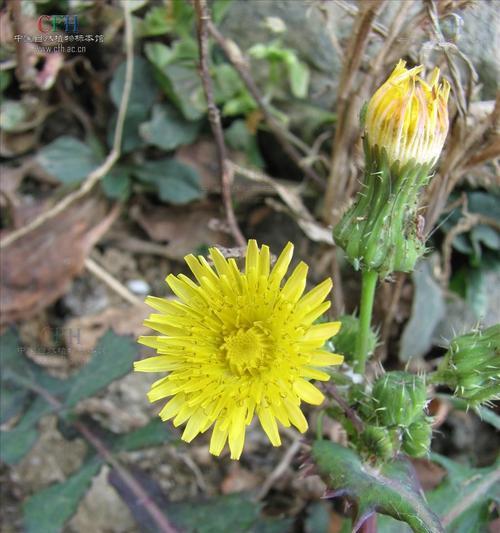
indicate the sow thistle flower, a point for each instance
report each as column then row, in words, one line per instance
column 239, row 344
column 405, row 125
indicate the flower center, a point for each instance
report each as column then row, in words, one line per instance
column 246, row 351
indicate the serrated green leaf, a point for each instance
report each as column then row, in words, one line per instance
column 68, row 159
column 175, row 182
column 390, row 489
column 167, row 129
column 112, row 359
column 49, row 509
column 463, row 496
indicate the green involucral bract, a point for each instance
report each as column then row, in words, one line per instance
column 472, row 366
column 399, row 398
column 380, row 231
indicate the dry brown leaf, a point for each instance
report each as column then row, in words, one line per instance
column 183, row 230
column 38, row 267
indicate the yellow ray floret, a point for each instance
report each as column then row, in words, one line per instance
column 408, row 116
column 238, row 345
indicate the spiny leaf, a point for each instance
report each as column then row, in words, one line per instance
column 391, row 489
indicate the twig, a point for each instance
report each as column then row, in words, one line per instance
column 348, row 410
column 280, row 469
column 348, row 106
column 111, row 281
column 203, row 20
column 142, row 496
column 235, row 57
column 110, row 160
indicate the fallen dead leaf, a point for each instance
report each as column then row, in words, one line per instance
column 183, row 230
column 38, row 268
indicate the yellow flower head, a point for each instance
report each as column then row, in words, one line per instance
column 238, row 344
column 409, row 116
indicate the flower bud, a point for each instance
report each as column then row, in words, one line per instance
column 406, row 123
column 378, row 442
column 408, row 117
column 400, row 398
column 472, row 366
column 417, row 437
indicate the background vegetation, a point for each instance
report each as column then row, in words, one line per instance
column 111, row 174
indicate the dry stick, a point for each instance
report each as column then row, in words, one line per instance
column 236, row 59
column 348, row 410
column 202, row 20
column 347, row 110
column 111, row 281
column 108, row 163
column 137, row 490
column 280, row 469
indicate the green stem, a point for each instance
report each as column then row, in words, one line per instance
column 369, row 283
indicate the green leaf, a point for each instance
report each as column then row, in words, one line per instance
column 235, row 512
column 12, row 113
column 298, row 74
column 391, row 489
column 143, row 91
column 156, row 22
column 177, row 74
column 167, row 129
column 155, row 433
column 5, row 79
column 112, row 359
column 175, row 182
column 68, row 159
column 117, row 184
column 16, row 443
column 463, row 497
column 50, row 508
column 239, row 137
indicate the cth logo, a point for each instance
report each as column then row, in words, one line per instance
column 47, row 23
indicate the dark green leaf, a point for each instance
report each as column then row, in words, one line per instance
column 239, row 137
column 111, row 360
column 68, row 159
column 143, row 92
column 117, row 184
column 167, row 129
column 177, row 74
column 16, row 443
column 391, row 489
column 49, row 509
column 235, row 512
column 155, row 433
column 176, row 182
column 5, row 79
column 156, row 22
